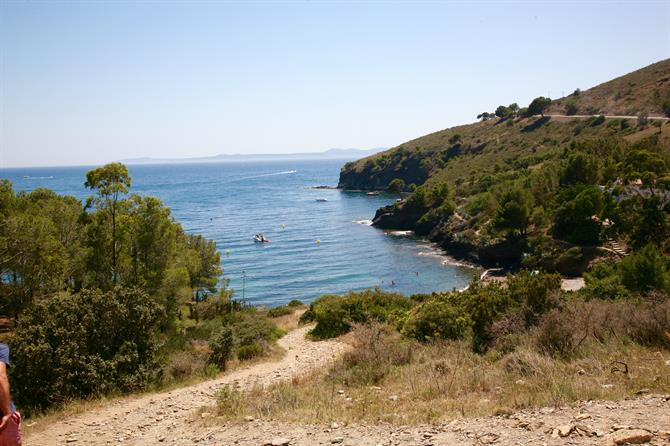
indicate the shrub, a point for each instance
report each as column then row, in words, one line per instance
column 441, row 317
column 335, row 315
column 295, row 303
column 182, row 365
column 597, row 120
column 377, row 348
column 85, row 344
column 538, row 293
column 281, row 310
column 570, row 107
column 645, row 270
column 249, row 351
column 252, row 328
column 555, row 334
column 221, row 345
column 485, row 303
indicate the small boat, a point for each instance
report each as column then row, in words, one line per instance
column 372, row 194
column 260, row 238
column 321, row 199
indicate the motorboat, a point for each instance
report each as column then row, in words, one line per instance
column 372, row 194
column 260, row 238
column 322, row 199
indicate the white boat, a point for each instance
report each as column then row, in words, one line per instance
column 321, row 199
column 260, row 239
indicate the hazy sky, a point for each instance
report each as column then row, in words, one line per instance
column 89, row 82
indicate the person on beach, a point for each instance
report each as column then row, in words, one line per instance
column 10, row 425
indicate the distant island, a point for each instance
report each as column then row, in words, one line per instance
column 331, row 154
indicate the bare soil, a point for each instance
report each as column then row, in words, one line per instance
column 187, row 416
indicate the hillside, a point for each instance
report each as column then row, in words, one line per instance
column 642, row 91
column 470, row 169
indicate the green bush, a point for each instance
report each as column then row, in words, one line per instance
column 85, row 344
column 334, row 315
column 249, row 351
column 485, row 303
column 252, row 328
column 536, row 292
column 645, row 270
column 281, row 310
column 295, row 303
column 221, row 345
column 441, row 317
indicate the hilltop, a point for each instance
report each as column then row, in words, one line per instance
column 457, row 181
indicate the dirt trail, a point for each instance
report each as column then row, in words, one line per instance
column 167, row 417
column 171, row 418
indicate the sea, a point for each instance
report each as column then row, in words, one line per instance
column 321, row 240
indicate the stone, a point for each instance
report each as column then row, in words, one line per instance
column 393, row 398
column 278, row 441
column 248, row 418
column 565, row 430
column 205, row 415
column 629, row 436
column 337, row 440
column 334, row 425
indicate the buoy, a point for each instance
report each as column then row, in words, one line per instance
column 283, row 226
column 227, row 252
column 318, row 241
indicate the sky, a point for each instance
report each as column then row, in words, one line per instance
column 84, row 83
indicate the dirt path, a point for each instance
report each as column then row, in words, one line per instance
column 171, row 418
column 166, row 417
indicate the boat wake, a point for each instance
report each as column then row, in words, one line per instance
column 263, row 175
column 364, row 222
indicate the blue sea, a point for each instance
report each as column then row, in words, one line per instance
column 316, row 247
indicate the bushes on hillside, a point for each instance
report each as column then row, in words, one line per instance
column 85, row 344
column 440, row 317
column 335, row 315
column 643, row 271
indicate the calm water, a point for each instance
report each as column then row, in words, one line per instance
column 231, row 202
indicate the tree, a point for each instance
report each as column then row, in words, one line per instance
column 485, row 116
column 203, row 265
column 514, row 211
column 110, row 182
column 538, row 106
column 397, row 185
column 581, row 168
column 502, row 112
column 576, row 218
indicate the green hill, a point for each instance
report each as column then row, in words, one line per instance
column 465, row 176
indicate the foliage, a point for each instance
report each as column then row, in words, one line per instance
column 538, row 106
column 645, row 270
column 513, row 215
column 440, row 317
column 85, row 344
column 335, row 315
column 397, row 185
column 221, row 345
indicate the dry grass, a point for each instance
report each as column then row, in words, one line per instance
column 403, row 382
column 291, row 321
